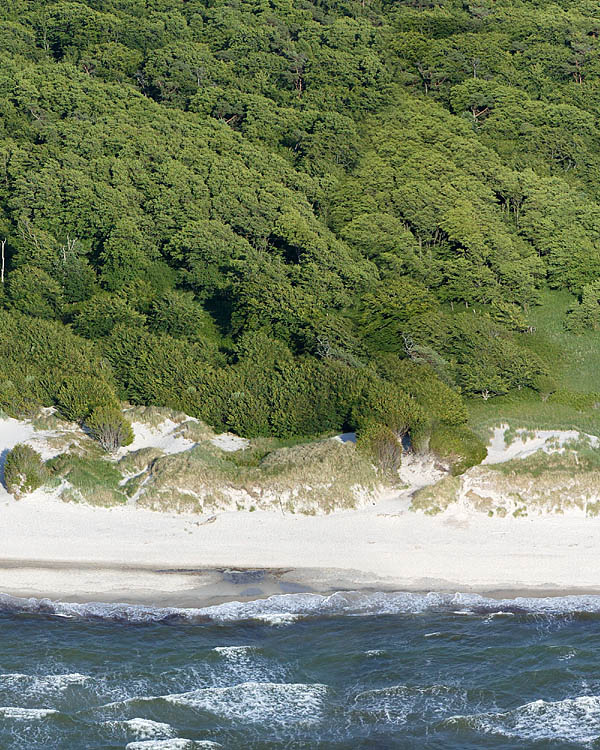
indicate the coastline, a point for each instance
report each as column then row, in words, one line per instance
column 176, row 588
column 71, row 552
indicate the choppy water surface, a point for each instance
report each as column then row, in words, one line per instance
column 347, row 671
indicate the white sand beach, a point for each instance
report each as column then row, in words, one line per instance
column 83, row 553
column 76, row 552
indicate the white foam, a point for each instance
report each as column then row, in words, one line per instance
column 242, row 660
column 569, row 720
column 233, row 651
column 28, row 685
column 15, row 712
column 176, row 743
column 394, row 704
column 146, row 729
column 248, row 663
column 287, row 608
column 271, row 702
column 277, row 619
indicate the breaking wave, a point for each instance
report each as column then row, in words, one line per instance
column 146, row 729
column 275, row 703
column 26, row 714
column 569, row 720
column 285, row 609
column 176, row 743
column 31, row 685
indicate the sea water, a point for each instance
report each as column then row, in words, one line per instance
column 342, row 672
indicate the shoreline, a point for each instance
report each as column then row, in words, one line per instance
column 149, row 586
column 74, row 552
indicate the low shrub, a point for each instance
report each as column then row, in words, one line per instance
column 24, row 470
column 78, row 396
column 110, row 428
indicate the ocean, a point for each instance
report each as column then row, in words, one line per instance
column 349, row 671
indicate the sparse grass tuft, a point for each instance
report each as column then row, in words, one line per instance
column 436, row 498
column 136, row 461
column 154, row 416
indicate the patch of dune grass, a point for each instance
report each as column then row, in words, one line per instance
column 154, row 416
column 316, row 477
column 437, row 497
column 577, row 458
column 90, row 479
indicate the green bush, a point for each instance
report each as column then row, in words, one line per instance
column 459, row 445
column 92, row 479
column 96, row 317
column 18, row 397
column 386, row 404
column 439, row 401
column 24, row 470
column 585, row 315
column 78, row 396
column 110, row 428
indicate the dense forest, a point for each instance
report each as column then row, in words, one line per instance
column 287, row 217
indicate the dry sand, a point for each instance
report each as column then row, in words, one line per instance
column 81, row 553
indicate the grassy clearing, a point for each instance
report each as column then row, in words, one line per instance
column 575, row 366
column 527, row 410
column 575, row 359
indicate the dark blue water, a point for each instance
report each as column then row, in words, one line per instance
column 345, row 672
